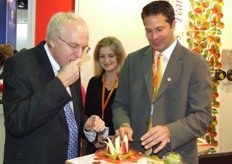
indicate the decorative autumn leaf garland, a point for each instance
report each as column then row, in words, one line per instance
column 204, row 37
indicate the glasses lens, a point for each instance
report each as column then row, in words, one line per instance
column 87, row 49
column 76, row 46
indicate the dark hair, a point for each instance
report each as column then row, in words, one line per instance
column 15, row 51
column 159, row 7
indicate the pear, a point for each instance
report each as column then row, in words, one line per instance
column 118, row 151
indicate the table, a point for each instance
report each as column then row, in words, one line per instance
column 203, row 149
column 89, row 159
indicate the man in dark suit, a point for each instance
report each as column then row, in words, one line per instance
column 38, row 84
column 182, row 106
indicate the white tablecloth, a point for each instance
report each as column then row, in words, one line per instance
column 89, row 159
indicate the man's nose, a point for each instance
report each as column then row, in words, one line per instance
column 154, row 35
column 78, row 53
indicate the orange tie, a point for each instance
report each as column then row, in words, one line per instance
column 158, row 70
column 157, row 75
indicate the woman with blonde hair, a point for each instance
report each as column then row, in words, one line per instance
column 109, row 55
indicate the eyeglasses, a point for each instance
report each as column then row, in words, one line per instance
column 73, row 46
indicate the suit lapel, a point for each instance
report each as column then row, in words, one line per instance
column 147, row 69
column 76, row 105
column 174, row 64
column 76, row 98
column 49, row 75
column 45, row 64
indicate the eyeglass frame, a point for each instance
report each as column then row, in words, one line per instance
column 76, row 46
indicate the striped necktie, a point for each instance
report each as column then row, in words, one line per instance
column 158, row 70
column 158, row 74
column 73, row 132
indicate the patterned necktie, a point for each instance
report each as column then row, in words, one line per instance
column 73, row 132
column 158, row 70
column 157, row 76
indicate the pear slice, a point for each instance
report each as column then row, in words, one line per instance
column 117, row 145
column 111, row 156
column 125, row 146
column 110, row 147
column 118, row 151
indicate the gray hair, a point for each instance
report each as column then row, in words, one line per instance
column 58, row 22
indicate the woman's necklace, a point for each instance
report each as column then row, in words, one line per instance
column 104, row 103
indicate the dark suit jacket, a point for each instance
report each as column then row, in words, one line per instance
column 33, row 101
column 183, row 102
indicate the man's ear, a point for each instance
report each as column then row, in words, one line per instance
column 173, row 26
column 51, row 43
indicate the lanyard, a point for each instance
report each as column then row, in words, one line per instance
column 104, row 103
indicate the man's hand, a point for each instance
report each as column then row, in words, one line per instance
column 125, row 129
column 70, row 73
column 95, row 124
column 156, row 135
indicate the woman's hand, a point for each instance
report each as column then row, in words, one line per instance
column 100, row 141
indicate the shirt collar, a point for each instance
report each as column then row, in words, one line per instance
column 167, row 53
column 55, row 65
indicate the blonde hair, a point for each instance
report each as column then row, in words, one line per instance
column 116, row 47
column 7, row 50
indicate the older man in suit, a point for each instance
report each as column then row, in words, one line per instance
column 182, row 105
column 39, row 84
